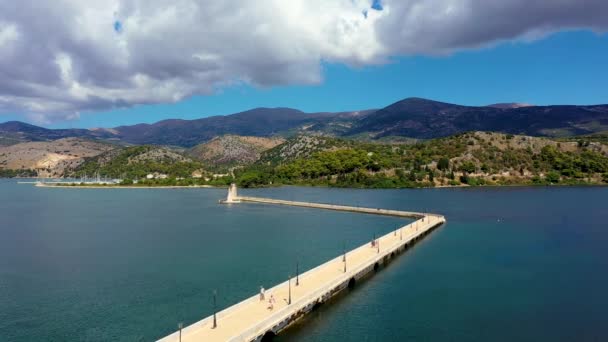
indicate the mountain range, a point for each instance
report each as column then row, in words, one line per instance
column 412, row 118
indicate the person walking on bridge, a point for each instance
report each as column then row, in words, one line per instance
column 262, row 293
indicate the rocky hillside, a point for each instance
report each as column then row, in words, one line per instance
column 50, row 159
column 302, row 146
column 233, row 150
column 493, row 157
column 137, row 162
column 477, row 158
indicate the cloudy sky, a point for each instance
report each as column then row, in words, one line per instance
column 71, row 63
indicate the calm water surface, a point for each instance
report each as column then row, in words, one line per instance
column 523, row 264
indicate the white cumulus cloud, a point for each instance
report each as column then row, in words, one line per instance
column 59, row 58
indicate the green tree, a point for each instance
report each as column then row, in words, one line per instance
column 552, row 177
column 443, row 164
column 253, row 178
column 468, row 167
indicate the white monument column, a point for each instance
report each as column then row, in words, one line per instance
column 232, row 195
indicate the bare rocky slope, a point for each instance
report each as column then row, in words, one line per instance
column 50, row 158
column 232, row 150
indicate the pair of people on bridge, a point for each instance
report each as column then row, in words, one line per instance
column 271, row 300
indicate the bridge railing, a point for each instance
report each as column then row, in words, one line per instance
column 282, row 314
column 390, row 212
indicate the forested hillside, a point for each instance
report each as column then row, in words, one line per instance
column 137, row 162
column 476, row 158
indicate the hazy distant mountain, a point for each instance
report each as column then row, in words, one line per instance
column 15, row 132
column 412, row 117
column 255, row 122
column 421, row 118
column 510, row 105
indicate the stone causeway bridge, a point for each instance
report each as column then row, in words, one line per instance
column 252, row 320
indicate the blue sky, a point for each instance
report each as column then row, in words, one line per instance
column 564, row 68
column 104, row 64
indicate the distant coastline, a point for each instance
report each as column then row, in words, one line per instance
column 118, row 186
column 204, row 186
column 469, row 159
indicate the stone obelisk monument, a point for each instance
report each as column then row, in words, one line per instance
column 232, row 195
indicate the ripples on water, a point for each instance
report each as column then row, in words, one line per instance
column 110, row 264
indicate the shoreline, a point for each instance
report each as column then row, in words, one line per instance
column 42, row 185
column 459, row 186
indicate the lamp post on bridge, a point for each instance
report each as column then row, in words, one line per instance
column 297, row 273
column 214, row 309
column 180, row 326
column 344, row 256
column 289, row 282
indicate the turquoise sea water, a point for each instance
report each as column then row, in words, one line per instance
column 128, row 265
